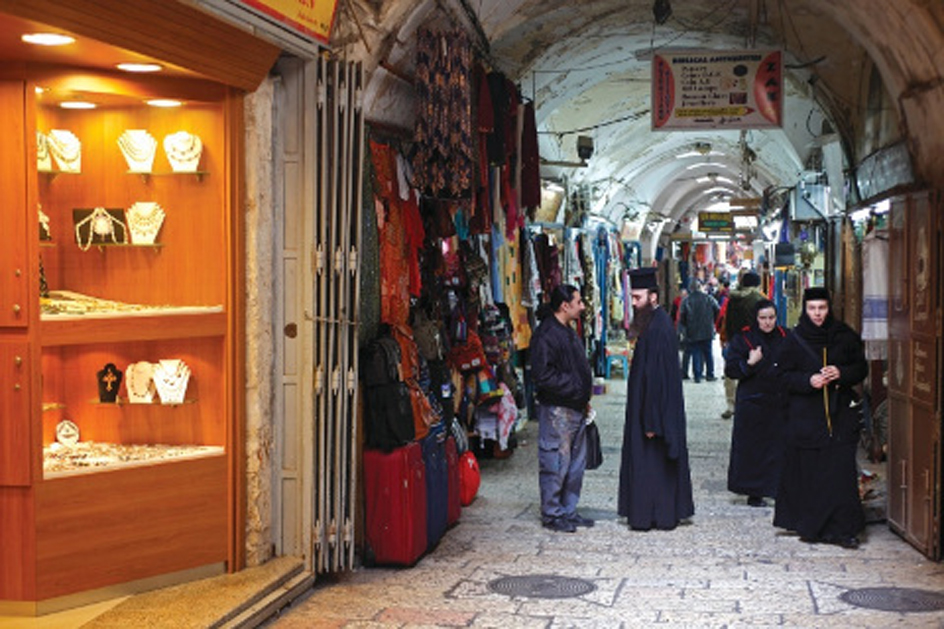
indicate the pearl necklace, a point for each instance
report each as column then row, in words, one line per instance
column 67, row 149
column 183, row 151
column 139, row 147
column 101, row 223
column 144, row 221
column 43, row 157
column 139, row 382
column 171, row 377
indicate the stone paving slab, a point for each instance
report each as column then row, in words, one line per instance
column 728, row 567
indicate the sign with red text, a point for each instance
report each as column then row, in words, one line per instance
column 714, row 89
column 312, row 18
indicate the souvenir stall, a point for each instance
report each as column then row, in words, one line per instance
column 458, row 277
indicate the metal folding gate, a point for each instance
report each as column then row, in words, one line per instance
column 320, row 149
column 337, row 173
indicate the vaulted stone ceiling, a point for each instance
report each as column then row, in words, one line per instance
column 586, row 65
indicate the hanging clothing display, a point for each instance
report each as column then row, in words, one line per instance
column 875, row 264
column 444, row 158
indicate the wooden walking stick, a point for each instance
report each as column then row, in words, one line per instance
column 829, row 421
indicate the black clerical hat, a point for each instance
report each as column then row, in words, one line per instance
column 643, row 278
column 815, row 293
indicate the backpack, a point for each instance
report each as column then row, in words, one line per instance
column 380, row 362
column 428, row 336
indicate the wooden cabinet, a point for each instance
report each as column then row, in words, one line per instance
column 87, row 524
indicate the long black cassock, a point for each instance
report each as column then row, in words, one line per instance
column 819, row 491
column 757, row 438
column 655, row 488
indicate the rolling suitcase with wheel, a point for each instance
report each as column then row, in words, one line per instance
column 454, row 506
column 437, row 483
column 395, row 496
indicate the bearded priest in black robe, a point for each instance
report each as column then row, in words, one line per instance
column 655, row 480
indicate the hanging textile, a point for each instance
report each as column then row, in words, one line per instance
column 875, row 261
column 530, row 191
column 395, row 270
column 444, row 158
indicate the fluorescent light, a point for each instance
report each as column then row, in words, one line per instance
column 140, row 67
column 77, row 104
column 47, row 39
column 164, row 102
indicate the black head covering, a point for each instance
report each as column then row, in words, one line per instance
column 750, row 279
column 815, row 293
column 815, row 335
column 643, row 278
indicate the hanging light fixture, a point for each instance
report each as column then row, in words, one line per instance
column 662, row 11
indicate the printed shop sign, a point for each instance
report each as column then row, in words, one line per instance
column 308, row 17
column 713, row 89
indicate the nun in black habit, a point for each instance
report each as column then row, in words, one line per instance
column 655, row 489
column 757, row 444
column 819, row 364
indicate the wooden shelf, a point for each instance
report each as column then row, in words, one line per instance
column 81, row 330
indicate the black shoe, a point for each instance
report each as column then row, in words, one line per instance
column 685, row 378
column 756, row 501
column 849, row 542
column 727, row 415
column 578, row 520
column 711, row 379
column 560, row 525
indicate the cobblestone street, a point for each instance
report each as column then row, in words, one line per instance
column 729, row 567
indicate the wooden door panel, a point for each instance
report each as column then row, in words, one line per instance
column 921, row 484
column 14, row 268
column 899, row 451
column 15, row 377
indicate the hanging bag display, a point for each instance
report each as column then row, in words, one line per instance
column 594, row 451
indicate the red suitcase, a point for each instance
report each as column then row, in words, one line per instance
column 453, row 505
column 395, row 493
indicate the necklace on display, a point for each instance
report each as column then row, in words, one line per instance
column 183, row 151
column 139, row 382
column 139, row 147
column 144, row 222
column 67, row 149
column 101, row 224
column 43, row 158
column 44, row 225
column 171, row 377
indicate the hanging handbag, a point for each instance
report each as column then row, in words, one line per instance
column 594, row 451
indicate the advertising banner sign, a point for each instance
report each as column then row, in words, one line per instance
column 312, row 18
column 714, row 89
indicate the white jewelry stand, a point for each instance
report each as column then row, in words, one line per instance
column 139, row 147
column 139, row 383
column 43, row 156
column 183, row 151
column 66, row 149
column 171, row 377
column 144, row 222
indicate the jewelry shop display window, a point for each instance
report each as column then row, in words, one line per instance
column 118, row 437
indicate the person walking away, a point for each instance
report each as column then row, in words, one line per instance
column 757, row 437
column 698, row 318
column 739, row 312
column 819, row 364
column 676, row 313
column 655, row 486
column 563, row 384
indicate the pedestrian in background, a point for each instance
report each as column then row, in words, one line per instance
column 698, row 318
column 819, row 489
column 563, row 384
column 738, row 312
column 676, row 312
column 655, row 489
column 757, row 437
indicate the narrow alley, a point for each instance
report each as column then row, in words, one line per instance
column 729, row 567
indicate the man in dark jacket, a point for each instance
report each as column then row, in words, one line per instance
column 563, row 383
column 698, row 318
column 655, row 489
column 819, row 364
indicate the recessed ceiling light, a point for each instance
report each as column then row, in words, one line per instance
column 140, row 67
column 164, row 102
column 39, row 90
column 48, row 39
column 77, row 104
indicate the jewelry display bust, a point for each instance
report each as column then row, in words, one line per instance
column 171, row 377
column 98, row 227
column 43, row 157
column 144, row 222
column 139, row 382
column 109, row 379
column 183, row 151
column 139, row 147
column 66, row 149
